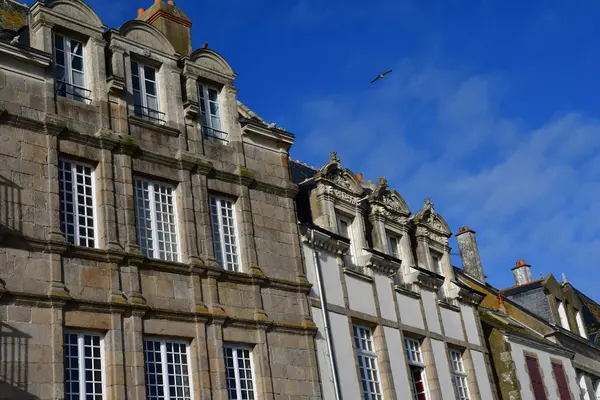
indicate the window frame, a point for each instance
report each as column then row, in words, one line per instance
column 146, row 112
column 538, row 371
column 164, row 363
column 562, row 314
column 76, row 205
column 415, row 360
column 390, row 236
column 81, row 362
column 68, row 67
column 349, row 234
column 250, row 349
column 237, row 266
column 364, row 353
column 459, row 374
column 581, row 323
column 153, row 219
column 204, row 101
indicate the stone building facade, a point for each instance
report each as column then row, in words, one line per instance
column 148, row 240
column 394, row 323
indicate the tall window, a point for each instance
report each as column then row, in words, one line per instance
column 167, row 370
column 210, row 113
column 393, row 246
column 561, row 382
column 83, row 366
column 367, row 363
column 597, row 389
column 583, row 386
column 537, row 382
column 436, row 260
column 459, row 374
column 414, row 355
column 580, row 324
column 69, row 70
column 239, row 372
column 77, row 211
column 344, row 226
column 562, row 313
column 222, row 216
column 155, row 212
column 145, row 92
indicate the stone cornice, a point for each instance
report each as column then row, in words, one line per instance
column 425, row 279
column 164, row 129
column 465, row 294
column 539, row 345
column 379, row 262
column 25, row 54
column 326, row 242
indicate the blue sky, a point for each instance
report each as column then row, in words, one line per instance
column 491, row 109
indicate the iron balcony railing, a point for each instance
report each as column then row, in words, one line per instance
column 149, row 114
column 74, row 92
column 214, row 134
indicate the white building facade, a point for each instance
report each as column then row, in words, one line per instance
column 393, row 323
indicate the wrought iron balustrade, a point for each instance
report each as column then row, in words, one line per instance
column 149, row 114
column 215, row 134
column 74, row 92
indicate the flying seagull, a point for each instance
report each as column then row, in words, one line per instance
column 381, row 76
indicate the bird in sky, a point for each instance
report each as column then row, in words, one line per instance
column 381, row 76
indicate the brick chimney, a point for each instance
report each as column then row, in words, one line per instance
column 469, row 253
column 172, row 22
column 522, row 273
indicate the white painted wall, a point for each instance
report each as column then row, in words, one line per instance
column 323, row 356
column 330, row 272
column 385, row 295
column 344, row 354
column 410, row 311
column 452, row 323
column 546, row 368
column 360, row 295
column 430, row 305
column 397, row 361
column 481, row 375
column 468, row 314
column 443, row 369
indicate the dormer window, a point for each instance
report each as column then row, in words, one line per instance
column 562, row 313
column 393, row 246
column 69, row 69
column 344, row 226
column 145, row 93
column 436, row 263
column 580, row 324
column 211, row 113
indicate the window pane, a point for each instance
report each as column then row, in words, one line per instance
column 149, row 73
column 82, row 376
column 76, row 211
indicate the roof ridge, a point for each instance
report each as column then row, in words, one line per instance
column 303, row 163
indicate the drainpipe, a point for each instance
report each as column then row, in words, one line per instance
column 332, row 361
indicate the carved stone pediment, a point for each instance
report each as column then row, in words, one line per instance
column 431, row 224
column 388, row 203
column 332, row 174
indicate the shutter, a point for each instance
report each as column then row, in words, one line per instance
column 561, row 381
column 536, row 378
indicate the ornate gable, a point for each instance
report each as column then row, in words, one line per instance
column 431, row 224
column 388, row 203
column 334, row 175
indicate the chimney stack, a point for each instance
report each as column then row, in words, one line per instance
column 172, row 22
column 469, row 253
column 522, row 273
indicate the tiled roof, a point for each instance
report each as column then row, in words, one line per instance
column 13, row 15
column 301, row 171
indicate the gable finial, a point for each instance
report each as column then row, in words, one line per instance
column 333, row 157
column 381, row 181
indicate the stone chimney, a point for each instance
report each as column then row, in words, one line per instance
column 522, row 273
column 172, row 22
column 469, row 253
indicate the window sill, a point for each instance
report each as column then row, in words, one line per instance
column 76, row 103
column 356, row 274
column 142, row 123
column 407, row 292
column 449, row 306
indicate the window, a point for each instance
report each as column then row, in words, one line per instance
column 222, row 216
column 69, row 69
column 580, row 324
column 210, row 113
column 459, row 375
column 83, row 366
column 367, row 363
column 145, row 92
column 597, row 389
column 436, row 260
column 344, row 226
column 239, row 373
column 155, row 213
column 562, row 313
column 77, row 210
column 394, row 246
column 537, row 383
column 167, row 370
column 582, row 385
column 561, row 381
column 418, row 378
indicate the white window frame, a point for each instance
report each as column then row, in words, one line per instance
column 155, row 252
column 75, row 201
column 348, row 234
column 580, row 323
column 165, row 370
column 238, row 387
column 141, row 76
column 68, row 54
column 436, row 262
column 581, row 382
column 562, row 314
column 218, row 232
column 81, row 370
column 597, row 388
column 459, row 374
column 206, row 118
column 367, row 362
column 391, row 237
column 414, row 357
